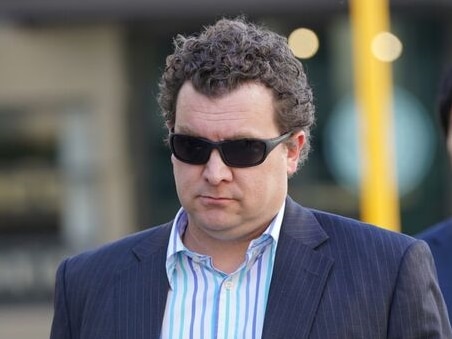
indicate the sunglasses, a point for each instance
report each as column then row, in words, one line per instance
column 234, row 153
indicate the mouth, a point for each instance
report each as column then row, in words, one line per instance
column 214, row 200
column 214, row 197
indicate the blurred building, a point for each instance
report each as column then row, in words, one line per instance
column 82, row 160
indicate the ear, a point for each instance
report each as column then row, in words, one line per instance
column 169, row 126
column 294, row 146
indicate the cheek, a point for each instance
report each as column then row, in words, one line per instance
column 264, row 192
column 182, row 175
column 268, row 179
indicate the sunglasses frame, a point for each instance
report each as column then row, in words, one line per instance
column 270, row 144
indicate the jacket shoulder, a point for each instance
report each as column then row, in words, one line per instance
column 362, row 236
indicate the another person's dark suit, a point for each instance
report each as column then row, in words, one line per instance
column 439, row 238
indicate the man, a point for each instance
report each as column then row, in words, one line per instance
column 439, row 236
column 241, row 259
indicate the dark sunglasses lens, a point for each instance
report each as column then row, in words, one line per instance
column 190, row 149
column 244, row 153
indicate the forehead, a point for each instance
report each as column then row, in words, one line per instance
column 248, row 109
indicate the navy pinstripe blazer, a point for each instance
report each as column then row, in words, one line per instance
column 333, row 278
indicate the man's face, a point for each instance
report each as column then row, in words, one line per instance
column 226, row 203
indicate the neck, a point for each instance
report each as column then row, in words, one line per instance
column 227, row 255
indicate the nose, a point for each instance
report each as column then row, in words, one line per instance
column 215, row 170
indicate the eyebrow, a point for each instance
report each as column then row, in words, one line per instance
column 188, row 131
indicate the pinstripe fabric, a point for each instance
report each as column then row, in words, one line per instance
column 206, row 303
column 351, row 280
column 333, row 277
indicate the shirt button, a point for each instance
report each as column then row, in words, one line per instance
column 228, row 284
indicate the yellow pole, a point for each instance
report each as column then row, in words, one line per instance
column 373, row 91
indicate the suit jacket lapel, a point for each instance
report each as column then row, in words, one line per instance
column 299, row 276
column 142, row 289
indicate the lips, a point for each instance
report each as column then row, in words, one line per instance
column 214, row 197
column 214, row 200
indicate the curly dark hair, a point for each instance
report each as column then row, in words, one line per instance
column 233, row 52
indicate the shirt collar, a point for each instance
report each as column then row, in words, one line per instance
column 180, row 222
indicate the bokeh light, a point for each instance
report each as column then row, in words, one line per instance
column 386, row 47
column 304, row 43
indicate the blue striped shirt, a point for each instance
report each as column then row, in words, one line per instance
column 205, row 303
